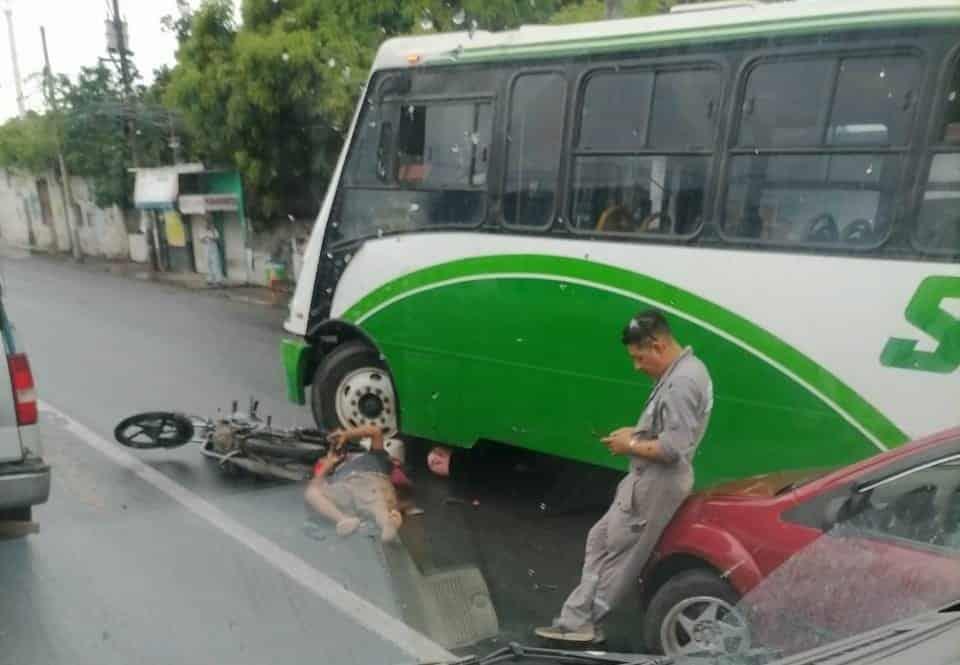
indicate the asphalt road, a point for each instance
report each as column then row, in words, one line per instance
column 157, row 557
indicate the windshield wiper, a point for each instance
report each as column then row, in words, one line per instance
column 515, row 651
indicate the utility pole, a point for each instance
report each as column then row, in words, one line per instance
column 21, row 108
column 174, row 141
column 613, row 8
column 121, row 40
column 64, row 174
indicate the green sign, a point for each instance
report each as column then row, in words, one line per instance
column 925, row 313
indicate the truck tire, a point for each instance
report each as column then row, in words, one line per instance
column 694, row 611
column 352, row 387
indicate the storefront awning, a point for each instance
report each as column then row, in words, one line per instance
column 199, row 204
column 157, row 188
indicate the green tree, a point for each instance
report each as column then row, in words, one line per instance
column 273, row 96
column 96, row 141
column 594, row 10
column 28, row 143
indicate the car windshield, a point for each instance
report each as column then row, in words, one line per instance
column 415, row 331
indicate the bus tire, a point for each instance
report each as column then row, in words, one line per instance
column 353, row 387
column 695, row 593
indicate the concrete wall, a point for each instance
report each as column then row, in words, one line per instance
column 26, row 221
column 275, row 245
column 112, row 233
column 102, row 231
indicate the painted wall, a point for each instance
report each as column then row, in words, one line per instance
column 26, row 222
column 113, row 233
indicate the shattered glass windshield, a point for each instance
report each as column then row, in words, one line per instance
column 893, row 554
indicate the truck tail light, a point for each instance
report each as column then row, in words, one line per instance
column 24, row 395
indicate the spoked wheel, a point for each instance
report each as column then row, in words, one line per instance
column 695, row 612
column 154, row 429
column 703, row 624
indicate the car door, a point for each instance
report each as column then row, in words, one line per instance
column 907, row 527
column 891, row 552
column 10, row 448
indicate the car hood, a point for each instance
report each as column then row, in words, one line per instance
column 763, row 486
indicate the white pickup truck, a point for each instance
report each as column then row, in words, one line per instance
column 24, row 476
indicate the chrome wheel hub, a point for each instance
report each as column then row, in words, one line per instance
column 365, row 396
column 703, row 624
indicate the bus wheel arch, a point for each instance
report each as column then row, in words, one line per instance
column 351, row 383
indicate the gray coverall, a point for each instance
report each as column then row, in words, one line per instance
column 618, row 546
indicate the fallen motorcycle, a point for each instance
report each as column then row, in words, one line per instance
column 241, row 441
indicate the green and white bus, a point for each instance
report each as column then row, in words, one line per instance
column 783, row 180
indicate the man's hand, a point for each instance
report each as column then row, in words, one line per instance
column 618, row 441
column 338, row 439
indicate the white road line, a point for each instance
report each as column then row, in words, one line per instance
column 348, row 603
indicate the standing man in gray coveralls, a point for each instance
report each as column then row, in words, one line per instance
column 660, row 449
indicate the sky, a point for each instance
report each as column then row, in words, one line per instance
column 76, row 37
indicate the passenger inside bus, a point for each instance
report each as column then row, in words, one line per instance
column 639, row 194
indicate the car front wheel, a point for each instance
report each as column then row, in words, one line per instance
column 695, row 612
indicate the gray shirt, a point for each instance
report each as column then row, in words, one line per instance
column 677, row 412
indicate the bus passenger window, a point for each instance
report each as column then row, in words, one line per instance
column 951, row 112
column 807, row 199
column 835, row 192
column 874, row 101
column 783, row 102
column 938, row 223
column 652, row 179
column 534, row 137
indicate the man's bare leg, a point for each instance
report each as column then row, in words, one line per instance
column 317, row 499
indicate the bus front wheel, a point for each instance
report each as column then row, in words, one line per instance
column 352, row 387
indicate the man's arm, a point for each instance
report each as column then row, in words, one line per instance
column 682, row 417
column 625, row 442
column 646, row 448
column 375, row 434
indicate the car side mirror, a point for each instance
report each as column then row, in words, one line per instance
column 836, row 509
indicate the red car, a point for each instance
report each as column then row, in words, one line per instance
column 881, row 536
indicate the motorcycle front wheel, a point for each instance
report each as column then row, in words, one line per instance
column 154, row 429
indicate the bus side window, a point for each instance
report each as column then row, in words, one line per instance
column 938, row 224
column 834, row 193
column 645, row 141
column 534, row 139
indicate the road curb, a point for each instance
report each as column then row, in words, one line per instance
column 140, row 272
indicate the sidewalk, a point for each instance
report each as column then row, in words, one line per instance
column 231, row 290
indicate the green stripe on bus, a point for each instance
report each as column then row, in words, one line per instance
column 644, row 288
column 771, row 28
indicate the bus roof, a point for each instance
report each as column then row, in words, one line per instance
column 707, row 22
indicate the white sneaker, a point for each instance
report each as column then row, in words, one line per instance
column 586, row 634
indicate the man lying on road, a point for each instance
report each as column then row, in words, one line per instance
column 351, row 485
